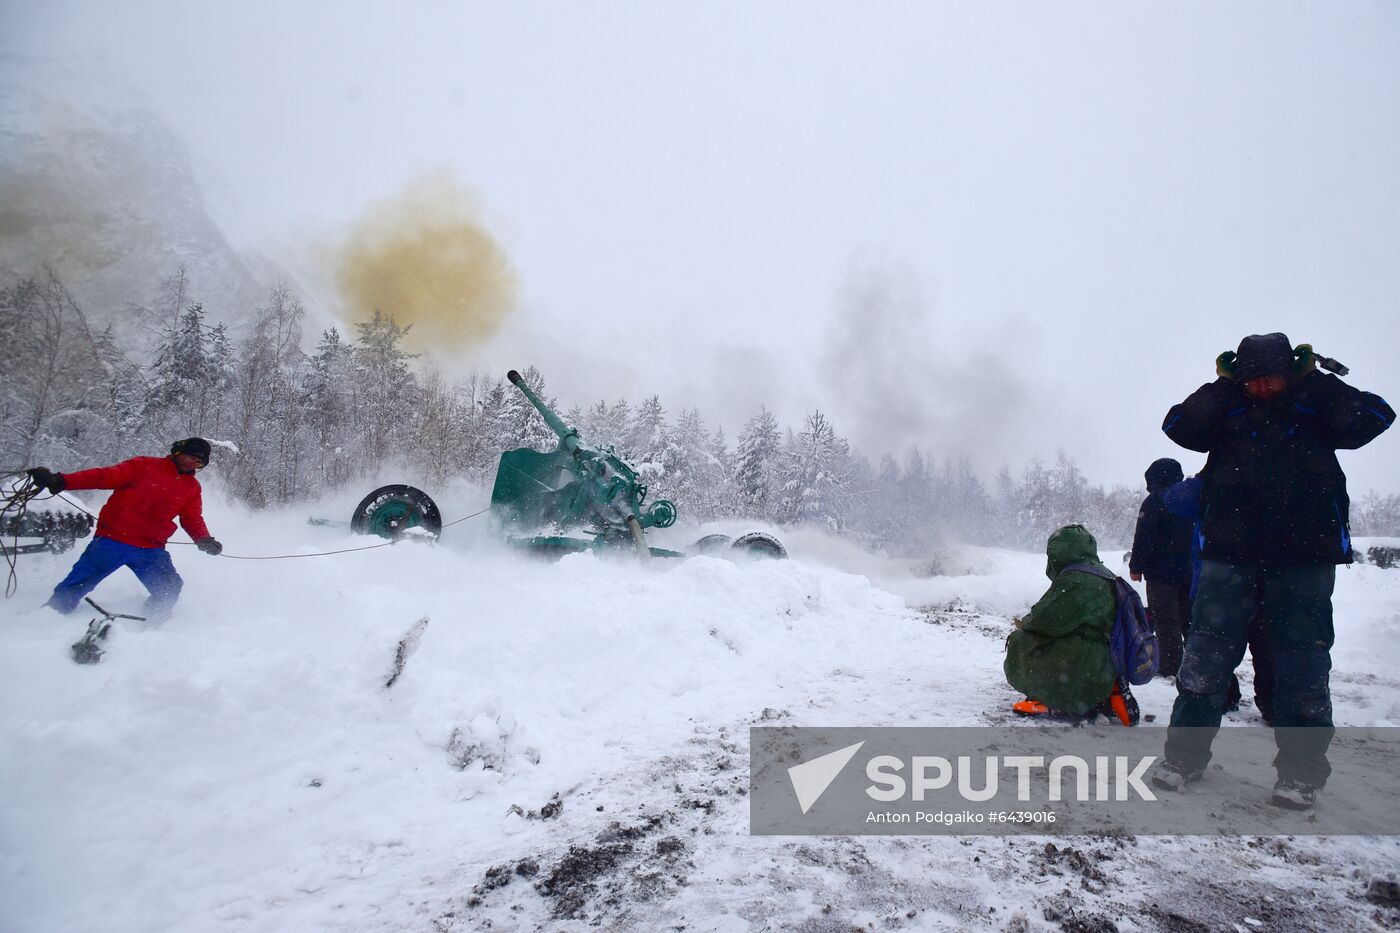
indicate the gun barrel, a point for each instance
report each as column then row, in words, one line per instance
column 567, row 437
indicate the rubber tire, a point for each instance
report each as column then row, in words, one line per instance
column 416, row 505
column 759, row 544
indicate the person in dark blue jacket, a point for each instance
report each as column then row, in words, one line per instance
column 1184, row 501
column 1274, row 523
column 1162, row 553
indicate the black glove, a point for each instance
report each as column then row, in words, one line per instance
column 209, row 546
column 46, row 479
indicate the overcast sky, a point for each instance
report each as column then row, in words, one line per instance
column 986, row 228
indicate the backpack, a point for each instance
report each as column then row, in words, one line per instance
column 1133, row 643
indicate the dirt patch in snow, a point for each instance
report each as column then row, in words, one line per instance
column 623, row 865
column 685, row 858
column 958, row 615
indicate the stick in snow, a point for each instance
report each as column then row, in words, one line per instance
column 407, row 645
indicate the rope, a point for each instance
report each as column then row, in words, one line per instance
column 17, row 501
column 368, row 547
column 465, row 517
column 14, row 503
column 76, row 505
column 348, row 550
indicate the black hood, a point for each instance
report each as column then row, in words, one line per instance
column 1263, row 355
column 1163, row 473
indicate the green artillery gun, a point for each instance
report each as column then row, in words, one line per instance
column 574, row 485
column 539, row 496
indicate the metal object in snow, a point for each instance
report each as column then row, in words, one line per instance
column 56, row 531
column 87, row 650
column 574, row 498
column 576, row 485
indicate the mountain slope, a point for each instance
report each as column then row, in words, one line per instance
column 104, row 193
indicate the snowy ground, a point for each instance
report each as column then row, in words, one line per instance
column 566, row 749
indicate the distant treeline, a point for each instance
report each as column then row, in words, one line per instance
column 306, row 422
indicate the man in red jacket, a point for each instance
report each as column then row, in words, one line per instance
column 150, row 492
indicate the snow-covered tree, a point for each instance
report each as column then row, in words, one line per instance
column 327, row 392
column 694, row 475
column 183, row 381
column 756, row 463
column 604, row 425
column 512, row 421
column 966, row 509
column 52, row 394
column 922, row 503
column 1376, row 515
column 385, row 390
column 885, row 522
column 125, row 403
column 650, row 444
column 722, row 501
column 1069, row 502
column 575, row 418
column 270, row 406
column 817, row 477
column 444, row 441
column 222, row 362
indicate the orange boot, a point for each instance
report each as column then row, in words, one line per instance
column 1122, row 704
column 1029, row 707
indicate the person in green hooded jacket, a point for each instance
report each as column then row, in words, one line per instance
column 1059, row 653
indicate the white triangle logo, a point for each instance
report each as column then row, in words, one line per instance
column 811, row 778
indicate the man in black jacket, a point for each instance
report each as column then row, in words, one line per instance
column 1274, row 518
column 1162, row 553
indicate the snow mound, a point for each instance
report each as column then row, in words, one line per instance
column 448, row 736
column 249, row 749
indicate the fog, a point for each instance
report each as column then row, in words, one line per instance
column 996, row 230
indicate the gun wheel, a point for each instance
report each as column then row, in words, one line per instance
column 759, row 544
column 391, row 511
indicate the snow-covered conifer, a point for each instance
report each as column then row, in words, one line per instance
column 649, row 443
column 327, row 390
column 385, row 389
column 756, row 462
column 514, row 421
column 817, row 477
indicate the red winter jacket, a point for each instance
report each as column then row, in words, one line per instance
column 150, row 492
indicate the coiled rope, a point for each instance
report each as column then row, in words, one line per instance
column 13, row 503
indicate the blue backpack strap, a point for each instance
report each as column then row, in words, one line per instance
column 1103, row 573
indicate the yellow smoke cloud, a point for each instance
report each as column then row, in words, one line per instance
column 425, row 257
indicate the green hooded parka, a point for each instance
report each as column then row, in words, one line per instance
column 1060, row 655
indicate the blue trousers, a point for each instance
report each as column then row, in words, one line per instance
column 1294, row 602
column 103, row 557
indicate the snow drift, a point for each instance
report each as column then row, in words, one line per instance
column 565, row 744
